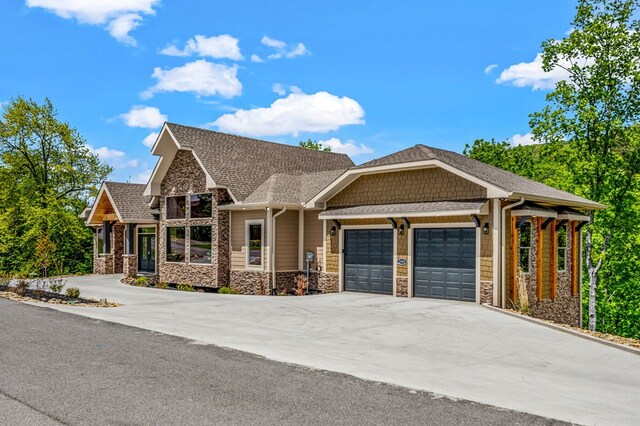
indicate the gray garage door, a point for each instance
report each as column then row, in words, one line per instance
column 445, row 263
column 368, row 260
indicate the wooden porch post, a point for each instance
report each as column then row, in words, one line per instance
column 514, row 259
column 574, row 259
column 554, row 259
column 539, row 260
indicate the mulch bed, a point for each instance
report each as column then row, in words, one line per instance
column 56, row 299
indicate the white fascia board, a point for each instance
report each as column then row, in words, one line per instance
column 95, row 204
column 588, row 205
column 351, row 175
column 104, row 190
column 576, row 217
column 260, row 206
column 154, row 188
column 210, row 183
column 534, row 212
column 441, row 213
column 155, row 150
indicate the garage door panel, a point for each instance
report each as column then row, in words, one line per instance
column 444, row 263
column 368, row 260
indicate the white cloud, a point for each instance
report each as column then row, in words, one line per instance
column 279, row 89
column 490, row 68
column 150, row 139
column 531, row 74
column 222, row 46
column 349, row 147
column 142, row 177
column 256, row 58
column 119, row 16
column 200, row 77
column 272, row 42
column 144, row 116
column 106, row 154
column 321, row 112
column 132, row 163
column 282, row 50
column 526, row 139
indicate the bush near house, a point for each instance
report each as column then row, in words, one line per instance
column 73, row 292
column 226, row 290
column 141, row 282
column 185, row 287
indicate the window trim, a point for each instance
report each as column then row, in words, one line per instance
column 564, row 248
column 520, row 247
column 189, row 257
column 186, row 207
column 166, row 246
column 198, row 218
column 247, row 224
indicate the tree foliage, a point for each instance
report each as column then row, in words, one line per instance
column 47, row 175
column 315, row 145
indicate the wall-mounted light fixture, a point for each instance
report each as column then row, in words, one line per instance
column 401, row 230
column 485, row 228
column 333, row 231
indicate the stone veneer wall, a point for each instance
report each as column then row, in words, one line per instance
column 328, row 282
column 118, row 247
column 250, row 282
column 105, row 264
column 184, row 177
column 130, row 265
column 402, row 287
column 565, row 308
column 486, row 292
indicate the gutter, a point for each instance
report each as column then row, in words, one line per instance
column 272, row 253
column 503, row 294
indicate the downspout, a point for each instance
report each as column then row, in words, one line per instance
column 273, row 248
column 503, row 273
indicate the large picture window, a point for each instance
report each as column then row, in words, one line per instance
column 175, row 247
column 254, row 243
column 176, row 207
column 562, row 248
column 200, row 205
column 524, row 247
column 200, row 244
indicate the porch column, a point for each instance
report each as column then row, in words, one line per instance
column 106, row 231
column 130, row 236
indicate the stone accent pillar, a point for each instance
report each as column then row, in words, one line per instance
column 402, row 287
column 118, row 247
column 486, row 292
column 328, row 283
column 130, row 265
column 105, row 264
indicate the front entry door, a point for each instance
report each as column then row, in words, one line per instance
column 147, row 253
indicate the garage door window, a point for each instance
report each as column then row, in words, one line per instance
column 525, row 247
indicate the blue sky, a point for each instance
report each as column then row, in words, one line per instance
column 368, row 78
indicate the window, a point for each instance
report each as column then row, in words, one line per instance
column 200, row 205
column 175, row 244
column 176, row 207
column 100, row 240
column 200, row 244
column 147, row 230
column 524, row 247
column 562, row 248
column 255, row 236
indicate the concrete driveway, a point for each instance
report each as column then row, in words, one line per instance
column 455, row 349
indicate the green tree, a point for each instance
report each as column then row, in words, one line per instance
column 595, row 110
column 47, row 175
column 315, row 145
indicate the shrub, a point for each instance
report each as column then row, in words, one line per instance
column 56, row 285
column 161, row 284
column 141, row 282
column 227, row 290
column 185, row 287
column 104, row 302
column 21, row 287
column 301, row 285
column 5, row 280
column 73, row 292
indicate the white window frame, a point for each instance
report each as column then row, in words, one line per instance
column 564, row 248
column 528, row 271
column 187, row 212
column 189, row 208
column 248, row 223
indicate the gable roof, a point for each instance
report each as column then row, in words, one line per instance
column 507, row 181
column 128, row 202
column 243, row 164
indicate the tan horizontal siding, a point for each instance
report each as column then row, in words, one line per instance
column 313, row 236
column 287, row 241
column 238, row 237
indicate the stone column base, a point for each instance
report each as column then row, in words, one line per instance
column 105, row 264
column 328, row 283
column 402, row 287
column 130, row 265
column 486, row 292
column 250, row 282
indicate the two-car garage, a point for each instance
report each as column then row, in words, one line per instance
column 444, row 262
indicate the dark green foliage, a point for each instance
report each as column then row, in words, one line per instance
column 185, row 287
column 141, row 282
column 73, row 292
column 226, row 290
column 315, row 145
column 47, row 176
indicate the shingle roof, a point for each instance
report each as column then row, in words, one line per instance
column 292, row 189
column 503, row 179
column 244, row 164
column 130, row 201
column 389, row 209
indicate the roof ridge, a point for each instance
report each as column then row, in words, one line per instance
column 254, row 139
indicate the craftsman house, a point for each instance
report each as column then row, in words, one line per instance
column 224, row 210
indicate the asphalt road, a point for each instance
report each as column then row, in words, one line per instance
column 59, row 368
